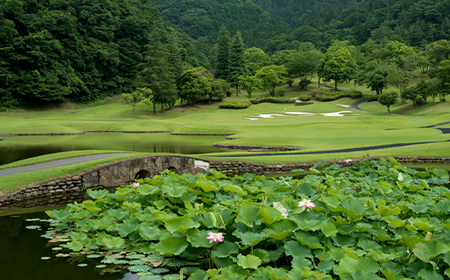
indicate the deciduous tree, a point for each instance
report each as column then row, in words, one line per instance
column 271, row 76
column 387, row 99
column 337, row 64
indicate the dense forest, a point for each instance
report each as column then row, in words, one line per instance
column 54, row 51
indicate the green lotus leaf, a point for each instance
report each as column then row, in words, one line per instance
column 125, row 228
column 82, row 265
column 207, row 186
column 308, row 225
column 274, row 255
column 78, row 215
column 422, row 224
column 447, row 272
column 441, row 207
column 234, row 189
column 123, row 191
column 171, row 277
column 139, row 268
column 262, row 254
column 212, row 220
column 172, row 246
column 94, row 256
column 146, row 189
column 150, row 277
column 58, row 214
column 381, row 234
column 382, row 257
column 75, row 245
column 344, row 240
column 149, row 232
column 430, row 275
column 277, row 273
column 180, row 224
column 223, row 262
column 90, row 206
column 298, row 262
column 249, row 261
column 102, row 223
column 332, row 203
column 281, row 229
column 336, row 254
column 295, row 249
column 328, row 229
column 78, row 235
column 199, row 274
column 225, row 249
column 387, row 211
column 249, row 215
column 175, row 190
column 306, row 238
column 426, row 251
column 369, row 244
column 355, row 209
column 113, row 242
column 249, row 238
column 325, row 266
column 270, row 215
column 198, row 238
column 363, row 275
column 348, row 266
column 97, row 194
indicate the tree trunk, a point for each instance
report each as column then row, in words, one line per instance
column 389, row 111
column 335, row 85
column 132, row 114
column 154, row 105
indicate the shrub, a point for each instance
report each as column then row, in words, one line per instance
column 230, row 91
column 280, row 92
column 234, row 105
column 372, row 98
column 318, row 91
column 271, row 100
column 355, row 94
column 304, row 83
column 304, row 97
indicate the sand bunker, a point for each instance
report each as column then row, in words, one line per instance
column 270, row 116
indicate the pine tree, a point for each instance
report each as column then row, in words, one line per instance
column 237, row 61
column 223, row 54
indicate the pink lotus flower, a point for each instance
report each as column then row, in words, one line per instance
column 135, row 185
column 348, row 160
column 215, row 237
column 306, row 203
column 367, row 154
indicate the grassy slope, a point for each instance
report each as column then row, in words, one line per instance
column 312, row 133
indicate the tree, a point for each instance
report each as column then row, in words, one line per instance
column 250, row 84
column 387, row 99
column 398, row 77
column 237, row 61
column 223, row 54
column 216, row 89
column 303, row 63
column 374, row 76
column 271, row 76
column 135, row 97
column 255, row 59
column 443, row 74
column 337, row 64
column 192, row 85
column 411, row 93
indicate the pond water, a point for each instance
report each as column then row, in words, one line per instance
column 22, row 147
column 22, row 250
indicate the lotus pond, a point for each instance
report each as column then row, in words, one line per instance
column 374, row 220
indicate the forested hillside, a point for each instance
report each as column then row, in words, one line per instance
column 76, row 50
column 54, row 51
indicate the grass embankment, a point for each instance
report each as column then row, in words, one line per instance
column 370, row 127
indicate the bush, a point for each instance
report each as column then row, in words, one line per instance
column 372, row 98
column 280, row 92
column 234, row 105
column 230, row 91
column 319, row 91
column 304, row 83
column 355, row 93
column 304, row 97
column 271, row 100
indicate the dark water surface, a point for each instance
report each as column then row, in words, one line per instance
column 22, row 249
column 22, row 147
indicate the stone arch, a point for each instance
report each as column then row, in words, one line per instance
column 172, row 169
column 142, row 174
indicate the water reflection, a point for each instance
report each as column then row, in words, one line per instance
column 22, row 147
column 22, row 249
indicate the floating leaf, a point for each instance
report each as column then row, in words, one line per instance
column 180, row 224
column 295, row 249
column 139, row 268
column 172, row 246
column 45, row 258
column 249, row 215
column 430, row 275
column 75, row 245
column 248, row 261
column 429, row 250
column 225, row 249
column 97, row 194
column 149, row 232
column 348, row 266
column 82, row 265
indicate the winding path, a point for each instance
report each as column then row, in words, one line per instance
column 58, row 163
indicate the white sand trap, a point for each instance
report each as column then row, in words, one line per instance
column 269, row 116
column 336, row 114
column 346, row 106
column 300, row 113
column 252, row 119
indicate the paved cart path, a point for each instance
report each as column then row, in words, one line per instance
column 58, row 163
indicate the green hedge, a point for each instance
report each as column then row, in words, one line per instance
column 271, row 100
column 304, row 97
column 234, row 105
column 371, row 98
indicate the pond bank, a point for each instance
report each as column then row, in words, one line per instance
column 127, row 170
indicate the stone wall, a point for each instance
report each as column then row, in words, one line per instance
column 255, row 148
column 124, row 171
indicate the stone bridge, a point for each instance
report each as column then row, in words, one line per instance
column 124, row 171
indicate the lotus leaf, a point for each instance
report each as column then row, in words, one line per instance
column 349, row 266
column 295, row 249
column 248, row 261
column 97, row 194
column 249, row 215
column 225, row 249
column 180, row 224
column 172, row 246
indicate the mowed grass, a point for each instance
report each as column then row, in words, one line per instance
column 371, row 126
